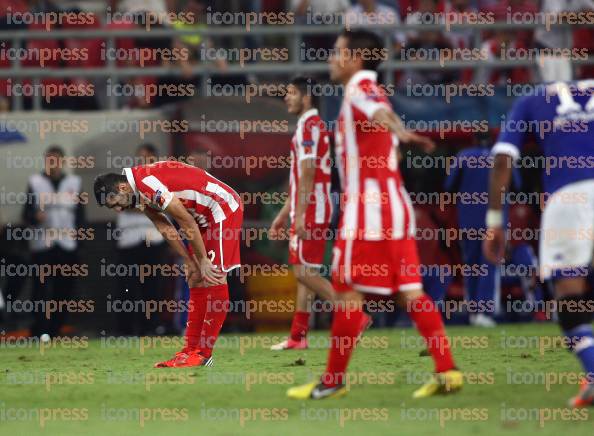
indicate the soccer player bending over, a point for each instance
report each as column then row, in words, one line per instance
column 561, row 118
column 308, row 207
column 209, row 215
column 375, row 251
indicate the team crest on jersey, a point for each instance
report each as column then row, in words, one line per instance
column 307, row 146
column 373, row 95
column 372, row 92
column 159, row 198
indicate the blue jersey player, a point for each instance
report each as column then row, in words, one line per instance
column 560, row 119
column 471, row 176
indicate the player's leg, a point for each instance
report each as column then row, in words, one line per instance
column 427, row 319
column 312, row 280
column 197, row 304
column 223, row 246
column 346, row 328
column 306, row 257
column 207, row 310
column 196, row 313
column 429, row 323
column 217, row 307
column 300, row 323
column 487, row 295
column 574, row 310
column 479, row 288
column 208, row 305
column 566, row 260
column 522, row 267
column 348, row 323
column 304, row 298
column 297, row 339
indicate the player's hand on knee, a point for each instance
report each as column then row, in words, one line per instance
column 193, row 275
column 194, row 280
column 211, row 274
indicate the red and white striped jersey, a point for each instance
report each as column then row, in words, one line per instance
column 375, row 204
column 207, row 199
column 311, row 141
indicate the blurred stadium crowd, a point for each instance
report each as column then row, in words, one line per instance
column 199, row 15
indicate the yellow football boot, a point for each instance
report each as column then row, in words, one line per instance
column 441, row 383
column 316, row 391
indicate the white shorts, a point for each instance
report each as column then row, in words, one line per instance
column 567, row 225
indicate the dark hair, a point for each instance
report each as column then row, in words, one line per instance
column 55, row 149
column 150, row 148
column 359, row 39
column 305, row 86
column 105, row 186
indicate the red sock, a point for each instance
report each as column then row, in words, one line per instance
column 196, row 311
column 216, row 312
column 345, row 329
column 300, row 325
column 430, row 325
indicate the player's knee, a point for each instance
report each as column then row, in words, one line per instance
column 404, row 298
column 299, row 275
column 570, row 287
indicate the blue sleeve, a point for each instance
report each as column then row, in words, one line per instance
column 514, row 129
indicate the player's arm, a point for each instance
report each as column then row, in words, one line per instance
column 169, row 232
column 281, row 219
column 177, row 211
column 511, row 139
column 171, row 235
column 386, row 117
column 307, row 150
column 499, row 182
column 304, row 194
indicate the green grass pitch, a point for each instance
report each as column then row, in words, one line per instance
column 518, row 381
